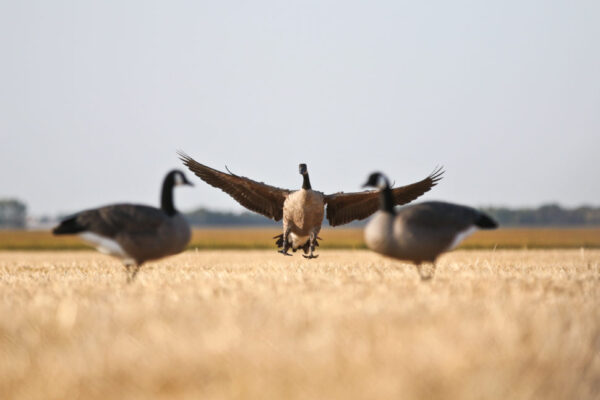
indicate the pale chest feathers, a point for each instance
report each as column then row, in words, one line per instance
column 304, row 209
column 379, row 233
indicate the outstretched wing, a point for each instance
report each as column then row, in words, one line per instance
column 343, row 208
column 255, row 196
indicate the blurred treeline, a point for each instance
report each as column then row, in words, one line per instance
column 13, row 215
column 205, row 217
column 546, row 215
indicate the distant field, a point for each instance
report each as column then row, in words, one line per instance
column 252, row 324
column 261, row 238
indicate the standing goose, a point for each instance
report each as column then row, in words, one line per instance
column 302, row 211
column 134, row 233
column 419, row 233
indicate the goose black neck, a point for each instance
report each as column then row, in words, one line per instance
column 166, row 199
column 306, row 182
column 386, row 200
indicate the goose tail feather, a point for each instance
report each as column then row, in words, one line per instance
column 69, row 226
column 486, row 222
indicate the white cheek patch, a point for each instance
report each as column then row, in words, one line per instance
column 104, row 244
column 178, row 180
column 460, row 236
column 382, row 183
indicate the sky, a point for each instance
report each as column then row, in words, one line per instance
column 97, row 97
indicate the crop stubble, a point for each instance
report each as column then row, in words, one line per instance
column 254, row 324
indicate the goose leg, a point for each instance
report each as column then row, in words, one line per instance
column 313, row 238
column 128, row 270
column 286, row 245
column 136, row 269
column 422, row 274
column 131, row 270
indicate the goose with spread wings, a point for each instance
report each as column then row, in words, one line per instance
column 302, row 211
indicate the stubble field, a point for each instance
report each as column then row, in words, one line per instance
column 504, row 324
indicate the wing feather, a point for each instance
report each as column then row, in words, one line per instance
column 343, row 208
column 255, row 196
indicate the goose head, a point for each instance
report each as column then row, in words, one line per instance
column 377, row 180
column 177, row 178
column 386, row 199
column 303, row 170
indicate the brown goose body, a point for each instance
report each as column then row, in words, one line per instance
column 302, row 211
column 139, row 233
column 132, row 232
column 419, row 233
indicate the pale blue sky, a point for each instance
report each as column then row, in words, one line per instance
column 95, row 97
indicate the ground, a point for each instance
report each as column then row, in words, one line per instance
column 510, row 324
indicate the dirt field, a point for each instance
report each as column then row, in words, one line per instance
column 509, row 324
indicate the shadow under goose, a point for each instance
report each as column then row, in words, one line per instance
column 302, row 211
column 134, row 233
column 419, row 233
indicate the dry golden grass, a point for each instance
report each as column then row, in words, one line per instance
column 338, row 238
column 256, row 325
column 535, row 238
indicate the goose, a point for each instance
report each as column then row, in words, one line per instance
column 419, row 233
column 302, row 210
column 134, row 233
